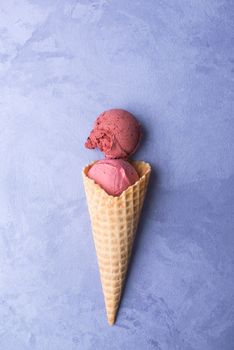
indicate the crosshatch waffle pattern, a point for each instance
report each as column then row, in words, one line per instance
column 114, row 222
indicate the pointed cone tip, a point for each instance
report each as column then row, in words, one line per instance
column 111, row 320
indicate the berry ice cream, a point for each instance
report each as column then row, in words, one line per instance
column 113, row 175
column 116, row 133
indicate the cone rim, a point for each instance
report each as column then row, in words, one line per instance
column 148, row 170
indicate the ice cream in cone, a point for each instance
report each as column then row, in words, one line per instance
column 114, row 222
column 114, row 219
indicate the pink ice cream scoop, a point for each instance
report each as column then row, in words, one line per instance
column 113, row 175
column 116, row 133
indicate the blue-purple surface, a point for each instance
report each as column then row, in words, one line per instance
column 171, row 63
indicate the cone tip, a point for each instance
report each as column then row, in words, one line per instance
column 111, row 320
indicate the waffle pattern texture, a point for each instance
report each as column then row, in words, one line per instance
column 114, row 222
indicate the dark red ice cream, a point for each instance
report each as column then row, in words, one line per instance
column 116, row 133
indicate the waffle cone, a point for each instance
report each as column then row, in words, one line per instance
column 114, row 222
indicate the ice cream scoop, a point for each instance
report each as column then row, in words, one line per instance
column 116, row 133
column 113, row 175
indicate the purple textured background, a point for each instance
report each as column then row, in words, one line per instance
column 171, row 63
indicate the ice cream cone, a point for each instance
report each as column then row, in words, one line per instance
column 114, row 222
